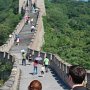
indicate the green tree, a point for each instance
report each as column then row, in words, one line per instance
column 3, row 33
column 67, row 30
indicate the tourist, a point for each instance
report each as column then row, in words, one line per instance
column 31, row 21
column 32, row 28
column 16, row 36
column 18, row 41
column 35, row 65
column 76, row 77
column 46, row 63
column 35, row 85
column 29, row 58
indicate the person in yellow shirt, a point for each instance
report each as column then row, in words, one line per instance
column 23, row 58
column 46, row 63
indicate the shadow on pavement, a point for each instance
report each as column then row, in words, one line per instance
column 59, row 80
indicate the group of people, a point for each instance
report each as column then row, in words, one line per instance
column 44, row 66
column 30, row 22
column 75, row 79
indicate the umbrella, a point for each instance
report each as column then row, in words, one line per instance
column 23, row 51
column 38, row 58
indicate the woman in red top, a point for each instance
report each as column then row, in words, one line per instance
column 35, row 64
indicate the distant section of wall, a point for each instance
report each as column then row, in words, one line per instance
column 22, row 3
column 38, row 38
column 40, row 4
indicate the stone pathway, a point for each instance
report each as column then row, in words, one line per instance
column 49, row 82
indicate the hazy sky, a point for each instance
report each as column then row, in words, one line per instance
column 82, row 0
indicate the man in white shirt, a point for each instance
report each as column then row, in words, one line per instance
column 32, row 28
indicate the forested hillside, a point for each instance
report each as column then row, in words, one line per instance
column 9, row 18
column 67, row 30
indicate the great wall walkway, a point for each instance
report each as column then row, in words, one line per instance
column 49, row 82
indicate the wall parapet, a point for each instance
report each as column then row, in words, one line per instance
column 12, row 82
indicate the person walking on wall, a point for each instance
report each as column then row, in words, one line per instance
column 76, row 77
column 35, row 65
column 31, row 21
column 18, row 41
column 46, row 63
column 29, row 58
column 32, row 28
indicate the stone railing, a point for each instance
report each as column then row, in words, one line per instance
column 6, row 47
column 58, row 65
column 12, row 82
